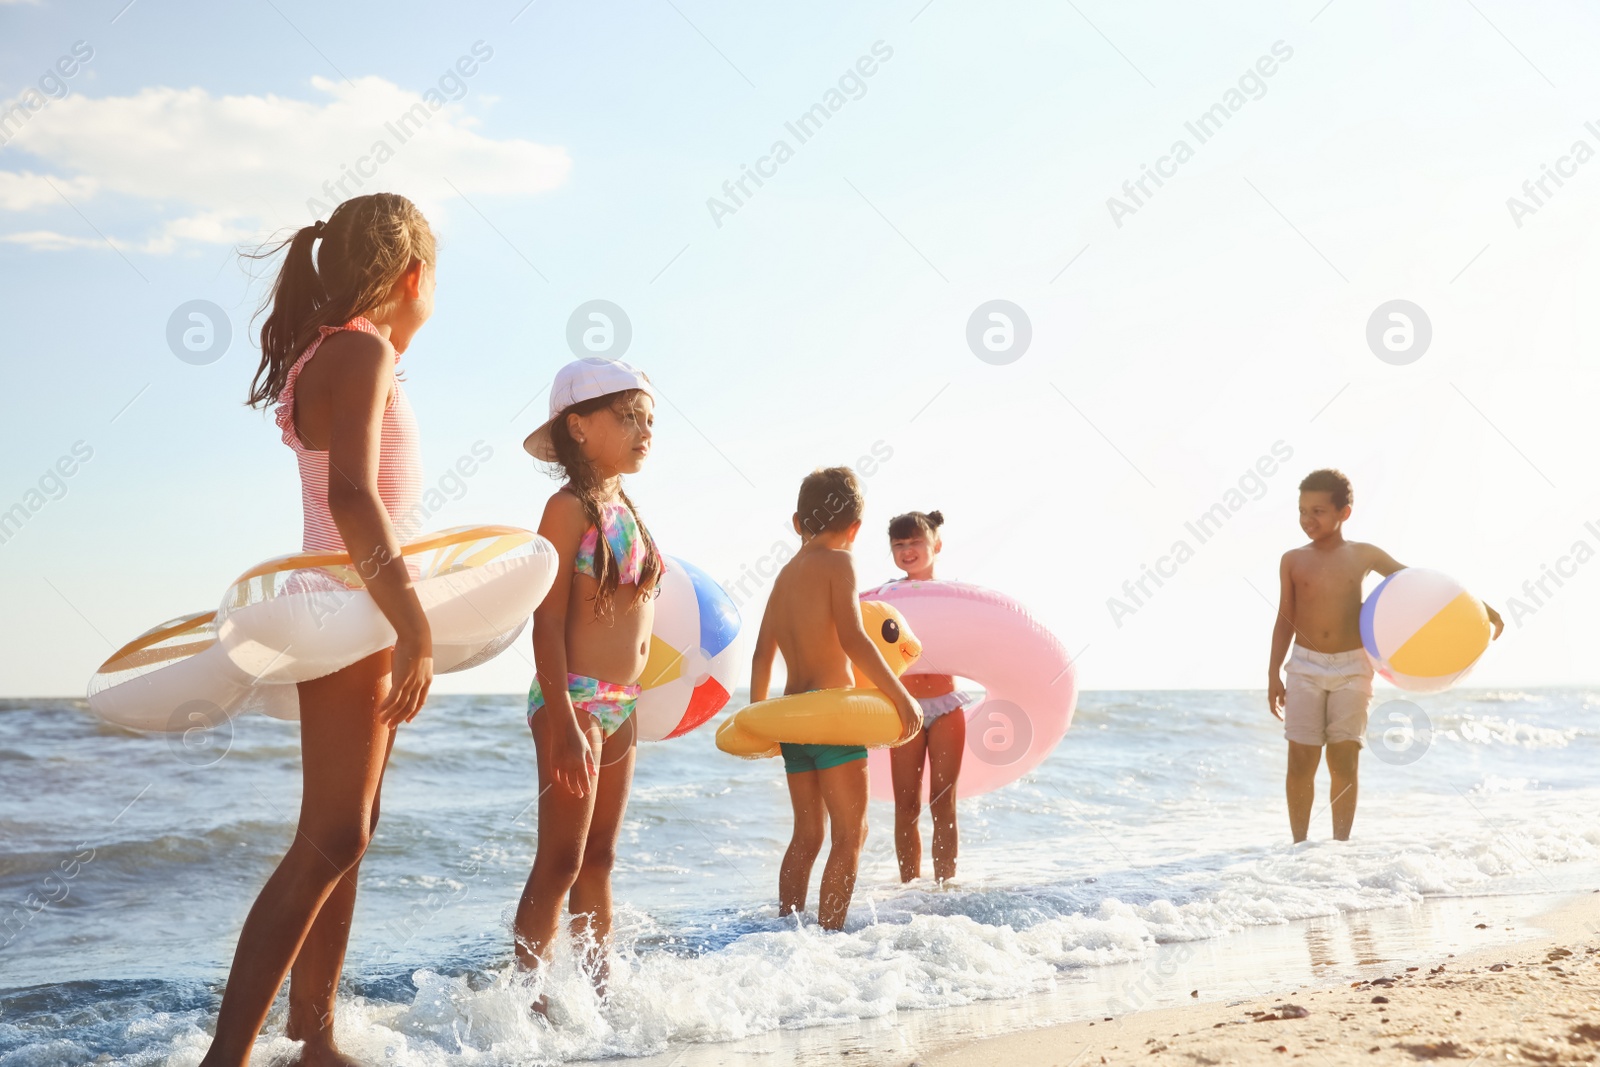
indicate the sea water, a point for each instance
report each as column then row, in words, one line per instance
column 1157, row 827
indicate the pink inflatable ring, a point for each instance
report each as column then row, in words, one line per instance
column 1028, row 676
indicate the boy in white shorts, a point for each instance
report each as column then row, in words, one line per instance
column 1328, row 697
column 1325, row 700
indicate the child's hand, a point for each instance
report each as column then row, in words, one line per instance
column 410, row 676
column 1277, row 692
column 910, row 716
column 1495, row 619
column 572, row 761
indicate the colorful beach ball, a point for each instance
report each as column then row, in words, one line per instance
column 1422, row 630
column 694, row 654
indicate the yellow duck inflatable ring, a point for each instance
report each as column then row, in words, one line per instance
column 859, row 716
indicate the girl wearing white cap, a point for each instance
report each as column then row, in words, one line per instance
column 591, row 637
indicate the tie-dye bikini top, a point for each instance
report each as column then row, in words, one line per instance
column 627, row 547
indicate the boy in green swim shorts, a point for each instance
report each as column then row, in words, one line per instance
column 814, row 619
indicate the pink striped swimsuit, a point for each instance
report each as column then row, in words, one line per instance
column 399, row 460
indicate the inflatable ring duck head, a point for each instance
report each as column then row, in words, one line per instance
column 889, row 632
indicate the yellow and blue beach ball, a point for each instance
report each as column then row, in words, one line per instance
column 694, row 654
column 1422, row 630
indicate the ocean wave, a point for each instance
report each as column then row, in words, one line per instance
column 1501, row 696
column 1494, row 730
column 1494, row 783
column 904, row 950
column 1159, row 823
column 132, row 858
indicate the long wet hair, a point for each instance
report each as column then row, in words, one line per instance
column 368, row 243
column 914, row 523
column 583, row 483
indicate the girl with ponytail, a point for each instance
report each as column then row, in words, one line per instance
column 350, row 296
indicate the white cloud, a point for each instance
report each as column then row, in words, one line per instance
column 50, row 241
column 20, row 192
column 220, row 169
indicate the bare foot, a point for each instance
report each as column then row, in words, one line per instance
column 323, row 1054
column 598, row 970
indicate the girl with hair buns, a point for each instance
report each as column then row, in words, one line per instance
column 339, row 320
column 914, row 541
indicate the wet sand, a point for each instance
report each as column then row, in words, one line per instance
column 1533, row 1001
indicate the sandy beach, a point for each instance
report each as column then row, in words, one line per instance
column 1533, row 1001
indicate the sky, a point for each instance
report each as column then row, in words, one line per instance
column 1317, row 162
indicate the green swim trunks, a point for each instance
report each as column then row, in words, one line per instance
column 798, row 759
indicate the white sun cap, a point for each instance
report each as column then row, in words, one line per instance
column 580, row 380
